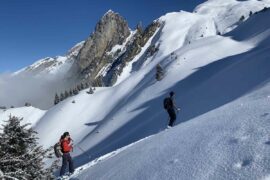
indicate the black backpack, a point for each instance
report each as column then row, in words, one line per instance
column 167, row 103
column 58, row 148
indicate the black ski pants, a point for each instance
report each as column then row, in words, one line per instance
column 66, row 159
column 172, row 115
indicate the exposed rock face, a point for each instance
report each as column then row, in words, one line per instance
column 109, row 48
column 111, row 30
column 133, row 48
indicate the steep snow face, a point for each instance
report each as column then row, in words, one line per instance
column 183, row 28
column 222, row 144
column 227, row 14
column 208, row 19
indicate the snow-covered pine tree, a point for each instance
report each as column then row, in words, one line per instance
column 70, row 92
column 66, row 94
column 79, row 87
column 91, row 91
column 27, row 104
column 86, row 85
column 242, row 18
column 62, row 96
column 20, row 155
column 159, row 72
column 56, row 99
column 75, row 91
column 3, row 107
column 82, row 86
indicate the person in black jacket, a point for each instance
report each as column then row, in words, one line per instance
column 170, row 106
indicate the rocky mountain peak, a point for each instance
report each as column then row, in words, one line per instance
column 111, row 30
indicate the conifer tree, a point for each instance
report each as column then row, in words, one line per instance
column 86, row 85
column 56, row 99
column 75, row 91
column 91, row 91
column 79, row 87
column 27, row 104
column 20, row 155
column 242, row 18
column 66, row 94
column 70, row 92
column 62, row 96
column 82, row 86
column 159, row 72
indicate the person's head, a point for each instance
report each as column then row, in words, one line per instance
column 171, row 93
column 66, row 135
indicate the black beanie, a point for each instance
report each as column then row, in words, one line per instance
column 65, row 134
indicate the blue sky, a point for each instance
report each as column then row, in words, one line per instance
column 34, row 29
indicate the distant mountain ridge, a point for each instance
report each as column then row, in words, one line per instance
column 52, row 65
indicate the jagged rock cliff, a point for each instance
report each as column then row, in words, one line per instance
column 109, row 48
column 132, row 49
column 111, row 30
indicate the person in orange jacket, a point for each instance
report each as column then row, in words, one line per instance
column 66, row 147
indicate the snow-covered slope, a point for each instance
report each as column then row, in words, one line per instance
column 215, row 79
column 119, row 115
column 226, row 14
column 29, row 114
column 222, row 144
column 183, row 28
column 229, row 98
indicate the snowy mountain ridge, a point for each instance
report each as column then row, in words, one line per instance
column 55, row 65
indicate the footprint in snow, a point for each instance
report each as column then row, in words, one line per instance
column 174, row 161
column 267, row 143
column 233, row 141
column 243, row 163
column 264, row 115
column 237, row 140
